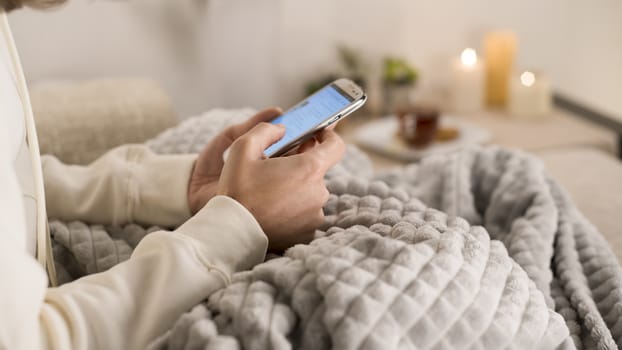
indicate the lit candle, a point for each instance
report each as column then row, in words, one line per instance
column 530, row 95
column 467, row 88
column 499, row 50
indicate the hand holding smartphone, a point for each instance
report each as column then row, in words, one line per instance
column 318, row 111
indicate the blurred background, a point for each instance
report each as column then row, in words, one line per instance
column 233, row 53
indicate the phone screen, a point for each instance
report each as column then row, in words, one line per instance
column 308, row 114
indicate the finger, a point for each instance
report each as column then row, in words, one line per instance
column 321, row 216
column 307, row 145
column 329, row 148
column 253, row 144
column 264, row 116
column 332, row 126
column 211, row 157
column 291, row 152
column 319, row 219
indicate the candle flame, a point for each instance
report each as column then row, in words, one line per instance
column 527, row 78
column 468, row 57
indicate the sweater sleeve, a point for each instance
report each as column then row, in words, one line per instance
column 131, row 304
column 128, row 184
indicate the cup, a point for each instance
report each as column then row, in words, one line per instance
column 418, row 124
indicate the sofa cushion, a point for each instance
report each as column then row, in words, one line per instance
column 79, row 121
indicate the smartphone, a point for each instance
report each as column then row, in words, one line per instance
column 325, row 107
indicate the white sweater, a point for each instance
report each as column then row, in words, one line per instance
column 134, row 302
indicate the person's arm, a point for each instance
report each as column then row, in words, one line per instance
column 128, row 184
column 131, row 304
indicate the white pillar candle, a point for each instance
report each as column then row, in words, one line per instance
column 530, row 95
column 467, row 86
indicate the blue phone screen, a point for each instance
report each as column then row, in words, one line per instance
column 308, row 114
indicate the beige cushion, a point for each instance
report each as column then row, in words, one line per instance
column 594, row 180
column 79, row 121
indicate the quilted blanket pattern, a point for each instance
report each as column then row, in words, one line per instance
column 509, row 193
column 416, row 279
column 81, row 249
column 477, row 249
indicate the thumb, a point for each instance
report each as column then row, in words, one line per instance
column 252, row 144
column 264, row 116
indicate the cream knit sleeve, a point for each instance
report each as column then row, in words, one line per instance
column 128, row 184
column 131, row 304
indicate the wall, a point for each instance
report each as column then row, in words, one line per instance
column 233, row 53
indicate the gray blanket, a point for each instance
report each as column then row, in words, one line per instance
column 502, row 248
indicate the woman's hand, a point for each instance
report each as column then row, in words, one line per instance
column 285, row 194
column 206, row 173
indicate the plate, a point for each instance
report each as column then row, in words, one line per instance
column 380, row 136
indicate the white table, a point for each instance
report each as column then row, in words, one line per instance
column 559, row 131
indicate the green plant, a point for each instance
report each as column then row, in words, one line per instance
column 315, row 85
column 352, row 66
column 351, row 61
column 398, row 72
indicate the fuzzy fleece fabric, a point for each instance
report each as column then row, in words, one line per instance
column 473, row 250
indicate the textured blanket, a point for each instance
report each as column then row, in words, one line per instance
column 478, row 249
